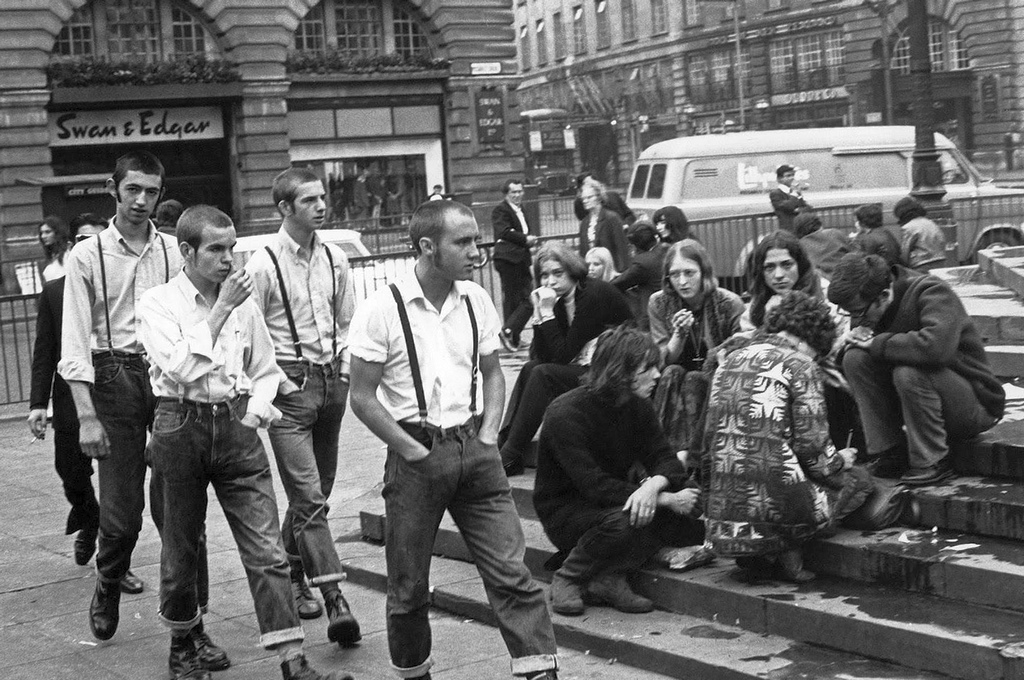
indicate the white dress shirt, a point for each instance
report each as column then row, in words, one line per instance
column 185, row 362
column 444, row 347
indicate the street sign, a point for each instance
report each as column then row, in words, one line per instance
column 485, row 68
column 490, row 117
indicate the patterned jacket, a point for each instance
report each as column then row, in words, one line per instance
column 767, row 454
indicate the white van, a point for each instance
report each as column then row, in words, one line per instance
column 725, row 180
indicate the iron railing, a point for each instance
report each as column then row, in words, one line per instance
column 17, row 335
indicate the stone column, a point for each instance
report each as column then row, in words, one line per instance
column 261, row 143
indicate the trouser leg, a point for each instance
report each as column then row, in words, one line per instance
column 877, row 401
column 75, row 471
column 545, row 382
column 487, row 518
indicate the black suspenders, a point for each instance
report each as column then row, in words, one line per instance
column 103, row 277
column 288, row 306
column 414, row 364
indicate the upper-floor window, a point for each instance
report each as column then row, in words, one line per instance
column 692, row 14
column 542, row 44
column 604, row 28
column 628, row 21
column 579, row 31
column 945, row 48
column 559, row 28
column 362, row 28
column 524, row 46
column 659, row 17
column 147, row 30
column 712, row 75
column 807, row 62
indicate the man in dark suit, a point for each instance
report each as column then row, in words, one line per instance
column 569, row 312
column 787, row 201
column 73, row 466
column 512, row 257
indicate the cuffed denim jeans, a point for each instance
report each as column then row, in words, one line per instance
column 195, row 445
column 935, row 406
column 123, row 400
column 305, row 443
column 464, row 477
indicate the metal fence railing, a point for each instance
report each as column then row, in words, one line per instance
column 17, row 335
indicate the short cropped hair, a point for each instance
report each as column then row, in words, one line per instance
column 859, row 279
column 139, row 161
column 870, row 215
column 508, row 185
column 619, row 354
column 806, row 317
column 168, row 212
column 79, row 221
column 287, row 183
column 783, row 169
column 908, row 208
column 430, row 218
column 643, row 235
column 195, row 219
column 556, row 251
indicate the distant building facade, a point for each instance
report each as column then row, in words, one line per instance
column 227, row 93
column 620, row 75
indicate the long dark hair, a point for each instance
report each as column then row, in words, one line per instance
column 61, row 241
column 676, row 222
column 619, row 354
column 807, row 279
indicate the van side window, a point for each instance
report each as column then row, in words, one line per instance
column 657, row 185
column 639, row 181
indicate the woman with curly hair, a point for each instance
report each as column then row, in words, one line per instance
column 55, row 238
column 774, row 478
column 688, row 316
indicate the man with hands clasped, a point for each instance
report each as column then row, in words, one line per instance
column 215, row 379
column 610, row 491
column 426, row 380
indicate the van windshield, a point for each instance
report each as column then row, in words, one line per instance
column 754, row 173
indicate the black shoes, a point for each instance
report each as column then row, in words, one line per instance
column 507, row 341
column 103, row 612
column 343, row 627
column 307, row 605
column 211, row 657
column 131, row 584
column 85, row 545
column 299, row 669
column 514, row 467
column 183, row 662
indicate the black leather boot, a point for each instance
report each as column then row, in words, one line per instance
column 342, row 627
column 211, row 657
column 104, row 610
column 183, row 663
column 307, row 605
column 299, row 669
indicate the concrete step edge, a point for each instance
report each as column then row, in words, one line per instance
column 889, row 624
column 671, row 644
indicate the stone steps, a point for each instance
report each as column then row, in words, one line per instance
column 675, row 645
column 872, row 620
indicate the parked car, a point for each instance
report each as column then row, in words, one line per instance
column 721, row 182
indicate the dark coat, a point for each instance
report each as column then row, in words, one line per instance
column 45, row 356
column 787, row 207
column 510, row 240
column 587, row 448
column 927, row 326
column 609, row 234
column 642, row 279
column 879, row 241
column 825, row 247
column 599, row 306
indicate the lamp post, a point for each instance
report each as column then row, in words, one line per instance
column 926, row 169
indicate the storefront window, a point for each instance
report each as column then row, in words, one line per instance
column 366, row 193
column 362, row 28
column 150, row 30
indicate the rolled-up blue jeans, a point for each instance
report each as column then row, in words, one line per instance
column 195, row 445
column 305, row 443
column 123, row 400
column 464, row 477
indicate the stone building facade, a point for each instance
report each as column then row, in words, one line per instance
column 407, row 93
column 623, row 74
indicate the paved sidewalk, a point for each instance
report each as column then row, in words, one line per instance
column 44, row 595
